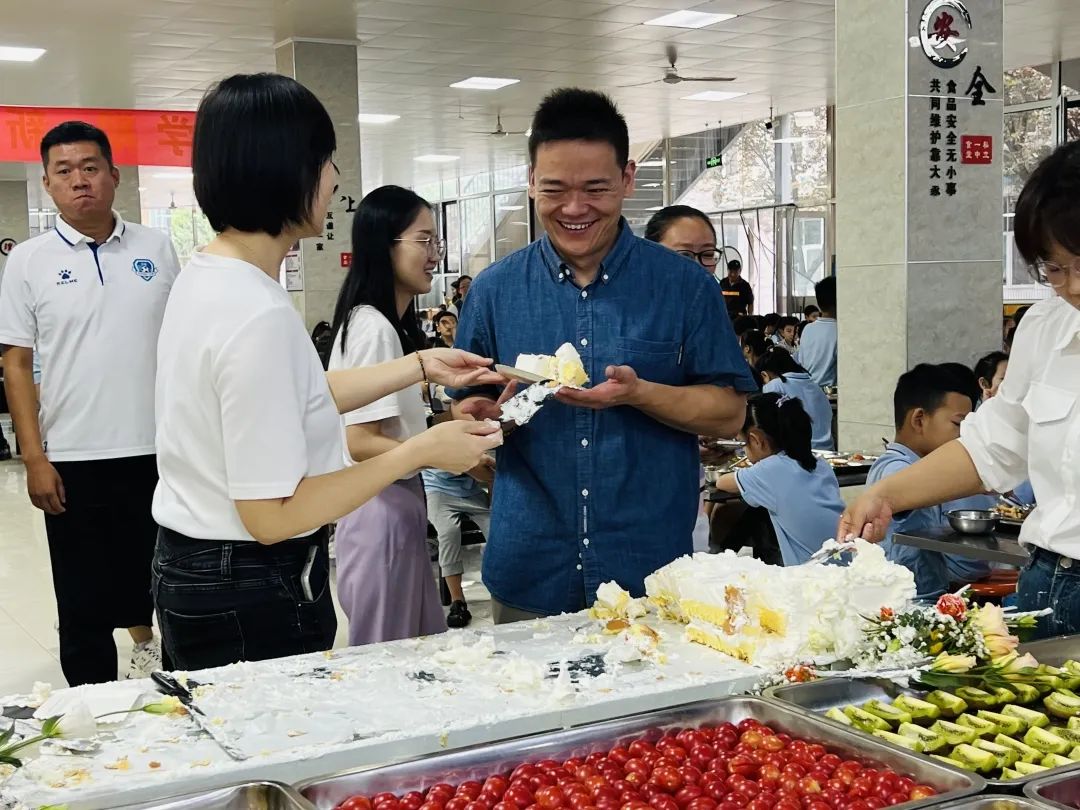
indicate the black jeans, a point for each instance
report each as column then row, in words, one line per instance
column 101, row 548
column 219, row 602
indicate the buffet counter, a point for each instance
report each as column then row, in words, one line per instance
column 298, row 718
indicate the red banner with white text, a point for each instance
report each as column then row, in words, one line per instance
column 138, row 137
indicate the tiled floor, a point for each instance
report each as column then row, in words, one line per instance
column 29, row 650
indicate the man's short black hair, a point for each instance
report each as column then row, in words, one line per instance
column 75, row 132
column 443, row 313
column 825, row 292
column 261, row 142
column 786, row 321
column 927, row 385
column 1047, row 209
column 809, row 310
column 573, row 114
column 772, row 319
column 734, row 266
column 744, row 323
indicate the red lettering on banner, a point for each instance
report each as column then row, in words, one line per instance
column 138, row 137
column 176, row 131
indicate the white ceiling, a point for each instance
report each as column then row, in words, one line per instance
column 163, row 54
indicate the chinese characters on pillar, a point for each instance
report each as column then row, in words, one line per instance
column 948, row 149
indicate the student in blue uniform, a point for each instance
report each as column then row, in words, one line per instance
column 798, row 489
column 782, row 375
column 929, row 404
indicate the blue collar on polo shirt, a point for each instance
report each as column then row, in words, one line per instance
column 73, row 237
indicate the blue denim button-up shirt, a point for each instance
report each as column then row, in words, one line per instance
column 584, row 496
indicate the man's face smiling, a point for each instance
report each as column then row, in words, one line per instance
column 579, row 189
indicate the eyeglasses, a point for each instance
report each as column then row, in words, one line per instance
column 707, row 258
column 1055, row 275
column 434, row 246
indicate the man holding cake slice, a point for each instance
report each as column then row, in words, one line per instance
column 602, row 485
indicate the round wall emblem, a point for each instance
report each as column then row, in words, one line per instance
column 942, row 32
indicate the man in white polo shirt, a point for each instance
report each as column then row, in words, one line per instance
column 90, row 294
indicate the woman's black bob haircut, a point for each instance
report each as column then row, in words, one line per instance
column 260, row 145
column 1048, row 209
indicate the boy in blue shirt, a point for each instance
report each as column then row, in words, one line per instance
column 817, row 349
column 929, row 404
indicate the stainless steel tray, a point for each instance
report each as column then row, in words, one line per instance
column 993, row 801
column 1060, row 790
column 1054, row 651
column 817, row 697
column 479, row 763
column 251, row 796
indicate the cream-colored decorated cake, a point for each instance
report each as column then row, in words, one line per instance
column 768, row 615
column 564, row 367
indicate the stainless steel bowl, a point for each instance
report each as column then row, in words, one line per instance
column 712, row 473
column 972, row 521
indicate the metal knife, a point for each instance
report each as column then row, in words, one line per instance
column 168, row 685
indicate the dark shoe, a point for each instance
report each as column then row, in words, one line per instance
column 459, row 615
column 5, row 453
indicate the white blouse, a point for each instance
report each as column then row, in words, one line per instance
column 1031, row 429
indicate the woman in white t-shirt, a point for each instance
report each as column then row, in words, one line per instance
column 250, row 449
column 384, row 576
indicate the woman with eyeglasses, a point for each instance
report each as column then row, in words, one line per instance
column 687, row 231
column 385, row 582
column 1032, row 425
column 250, row 449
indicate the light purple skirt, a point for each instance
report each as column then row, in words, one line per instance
column 385, row 582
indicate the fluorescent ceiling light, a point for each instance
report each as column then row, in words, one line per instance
column 483, row 83
column 690, row 19
column 436, row 158
column 511, row 207
column 376, row 118
column 172, row 176
column 713, row 95
column 650, row 185
column 9, row 53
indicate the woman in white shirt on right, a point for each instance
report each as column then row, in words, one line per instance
column 1032, row 426
column 249, row 438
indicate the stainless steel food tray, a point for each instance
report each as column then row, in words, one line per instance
column 250, row 796
column 479, row 763
column 993, row 801
column 1054, row 651
column 1059, row 790
column 817, row 697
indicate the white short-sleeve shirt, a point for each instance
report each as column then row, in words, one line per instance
column 372, row 339
column 244, row 411
column 93, row 312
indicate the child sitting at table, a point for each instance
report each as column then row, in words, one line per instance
column 798, row 489
column 782, row 375
column 929, row 404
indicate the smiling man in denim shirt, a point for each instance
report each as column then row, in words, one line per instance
column 602, row 484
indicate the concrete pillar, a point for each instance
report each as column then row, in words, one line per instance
column 329, row 71
column 14, row 217
column 919, row 260
column 128, row 201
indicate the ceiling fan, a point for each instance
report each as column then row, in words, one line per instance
column 672, row 75
column 499, row 132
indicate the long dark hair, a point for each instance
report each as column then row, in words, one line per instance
column 756, row 341
column 382, row 216
column 778, row 361
column 787, row 425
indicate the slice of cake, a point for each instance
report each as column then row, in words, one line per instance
column 564, row 367
column 768, row 615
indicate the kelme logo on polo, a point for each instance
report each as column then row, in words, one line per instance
column 66, row 277
column 144, row 269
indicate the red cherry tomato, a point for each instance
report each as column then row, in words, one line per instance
column 430, row 805
column 702, row 803
column 687, row 795
column 670, row 779
column 550, row 798
column 356, row 803
column 922, row 792
column 742, row 765
column 716, row 790
column 663, row 802
column 412, row 800
column 519, row 796
column 809, row 784
column 639, row 748
column 379, row 798
column 471, row 789
column 691, row 775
